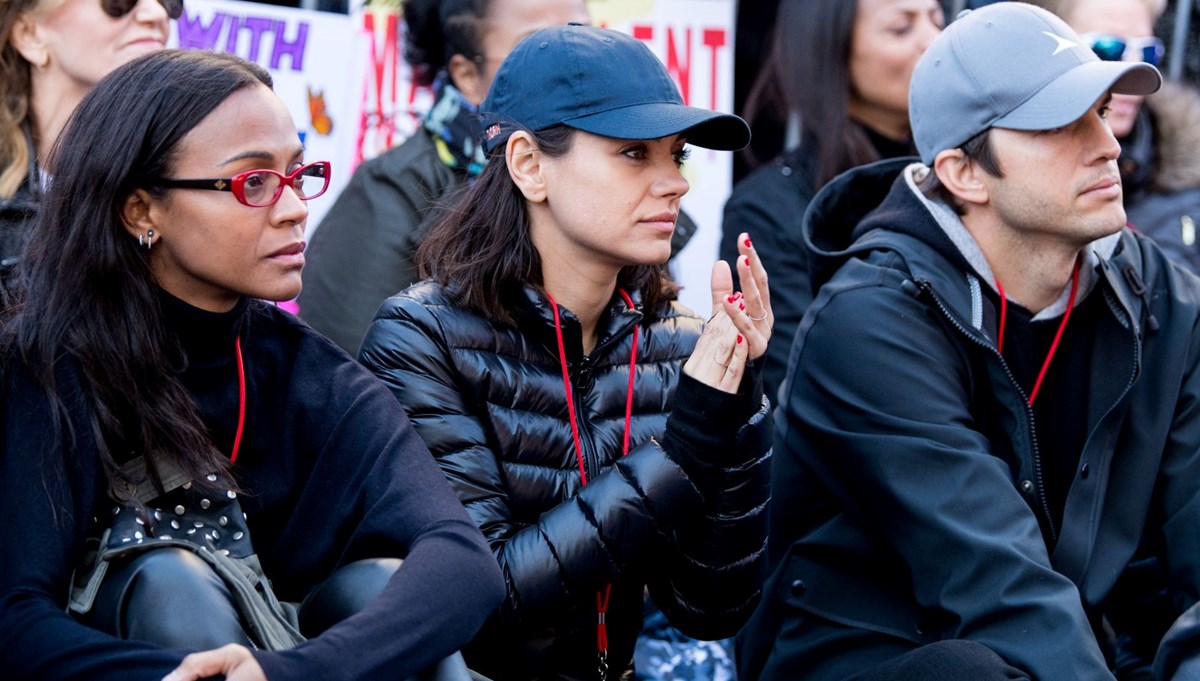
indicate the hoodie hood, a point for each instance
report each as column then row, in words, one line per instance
column 860, row 201
column 866, row 208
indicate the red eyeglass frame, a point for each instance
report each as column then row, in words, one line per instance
column 237, row 183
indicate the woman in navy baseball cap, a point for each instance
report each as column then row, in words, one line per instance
column 604, row 438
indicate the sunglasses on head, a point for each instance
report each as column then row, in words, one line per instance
column 1116, row 48
column 119, row 8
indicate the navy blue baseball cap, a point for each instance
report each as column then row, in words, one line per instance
column 600, row 81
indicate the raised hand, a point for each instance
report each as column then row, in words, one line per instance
column 740, row 327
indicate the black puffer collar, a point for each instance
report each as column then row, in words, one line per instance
column 536, row 317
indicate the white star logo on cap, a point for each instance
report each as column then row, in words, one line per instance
column 1062, row 43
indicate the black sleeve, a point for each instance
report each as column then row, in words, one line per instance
column 47, row 506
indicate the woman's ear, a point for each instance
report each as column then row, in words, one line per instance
column 26, row 37
column 525, row 166
column 137, row 215
column 961, row 176
column 466, row 77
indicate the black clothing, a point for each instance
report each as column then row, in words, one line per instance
column 910, row 499
column 770, row 204
column 687, row 517
column 330, row 473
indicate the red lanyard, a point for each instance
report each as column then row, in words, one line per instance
column 602, row 597
column 1057, row 335
column 237, row 438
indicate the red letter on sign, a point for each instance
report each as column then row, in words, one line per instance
column 681, row 72
column 714, row 40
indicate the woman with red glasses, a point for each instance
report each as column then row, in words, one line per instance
column 53, row 52
column 184, row 467
column 1159, row 134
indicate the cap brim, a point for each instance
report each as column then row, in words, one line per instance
column 704, row 128
column 1068, row 97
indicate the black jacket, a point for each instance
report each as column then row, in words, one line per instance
column 688, row 522
column 331, row 472
column 909, row 504
column 363, row 250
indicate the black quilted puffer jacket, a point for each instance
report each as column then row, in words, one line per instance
column 685, row 519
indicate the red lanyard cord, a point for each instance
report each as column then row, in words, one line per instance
column 237, row 438
column 602, row 598
column 1062, row 326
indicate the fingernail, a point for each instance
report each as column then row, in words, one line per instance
column 732, row 297
column 746, row 260
column 739, row 339
column 748, row 244
column 741, row 306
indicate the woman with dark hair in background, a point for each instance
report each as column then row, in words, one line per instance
column 171, row 441
column 364, row 249
column 837, row 80
column 53, row 52
column 603, row 437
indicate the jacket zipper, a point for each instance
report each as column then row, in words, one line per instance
column 590, row 463
column 1043, row 504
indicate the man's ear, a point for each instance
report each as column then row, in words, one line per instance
column 137, row 214
column 525, row 167
column 466, row 77
column 26, row 37
column 961, row 176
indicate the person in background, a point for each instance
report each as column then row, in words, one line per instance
column 837, row 78
column 1159, row 134
column 603, row 437
column 53, row 52
column 991, row 405
column 177, row 452
column 364, row 249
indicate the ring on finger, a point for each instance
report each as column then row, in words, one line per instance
column 723, row 364
column 760, row 318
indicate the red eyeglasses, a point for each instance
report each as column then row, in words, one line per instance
column 258, row 188
column 119, row 8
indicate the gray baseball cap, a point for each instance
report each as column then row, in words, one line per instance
column 1010, row 65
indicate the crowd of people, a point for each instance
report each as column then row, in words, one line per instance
column 939, row 423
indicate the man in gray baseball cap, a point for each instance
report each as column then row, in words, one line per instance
column 993, row 404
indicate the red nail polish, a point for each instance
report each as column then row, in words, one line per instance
column 739, row 339
column 732, row 298
column 748, row 242
column 741, row 306
column 746, row 261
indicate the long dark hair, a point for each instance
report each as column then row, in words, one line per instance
column 480, row 247
column 807, row 73
column 436, row 30
column 90, row 297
